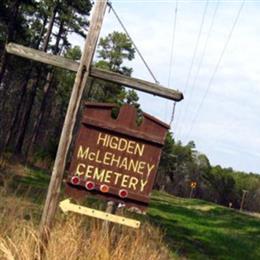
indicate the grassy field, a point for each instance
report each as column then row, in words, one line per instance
column 192, row 229
column 201, row 230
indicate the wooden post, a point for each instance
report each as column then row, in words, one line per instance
column 191, row 192
column 65, row 63
column 51, row 202
column 193, row 186
column 243, row 200
column 111, row 208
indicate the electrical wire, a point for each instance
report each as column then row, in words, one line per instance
column 173, row 113
column 172, row 53
column 194, row 83
column 130, row 38
column 193, row 58
column 172, row 43
column 215, row 70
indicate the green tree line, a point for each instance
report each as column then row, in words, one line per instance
column 181, row 165
column 33, row 96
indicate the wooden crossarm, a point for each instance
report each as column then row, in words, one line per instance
column 69, row 64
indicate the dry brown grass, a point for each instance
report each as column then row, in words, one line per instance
column 73, row 237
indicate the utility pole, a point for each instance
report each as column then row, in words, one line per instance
column 52, row 199
column 243, row 199
column 84, row 71
column 193, row 186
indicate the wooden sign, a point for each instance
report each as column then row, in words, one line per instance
column 116, row 158
column 84, row 70
column 193, row 184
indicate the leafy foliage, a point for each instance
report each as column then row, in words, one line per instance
column 112, row 51
column 182, row 164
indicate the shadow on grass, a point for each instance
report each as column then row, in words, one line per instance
column 32, row 184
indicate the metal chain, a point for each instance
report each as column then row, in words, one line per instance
column 173, row 113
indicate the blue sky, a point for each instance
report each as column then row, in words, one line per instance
column 225, row 124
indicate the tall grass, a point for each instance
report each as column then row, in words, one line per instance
column 73, row 237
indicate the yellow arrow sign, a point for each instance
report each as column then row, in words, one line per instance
column 66, row 206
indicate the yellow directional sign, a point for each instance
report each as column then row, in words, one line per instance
column 193, row 184
column 66, row 206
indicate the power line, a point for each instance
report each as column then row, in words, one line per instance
column 215, row 69
column 130, row 38
column 173, row 42
column 194, row 54
column 201, row 58
column 172, row 53
column 173, row 112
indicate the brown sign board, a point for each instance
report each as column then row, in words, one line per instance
column 116, row 158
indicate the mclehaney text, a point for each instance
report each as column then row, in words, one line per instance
column 130, row 173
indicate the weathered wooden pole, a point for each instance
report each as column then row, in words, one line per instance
column 65, row 63
column 191, row 192
column 193, row 186
column 106, row 226
column 52, row 199
column 243, row 200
